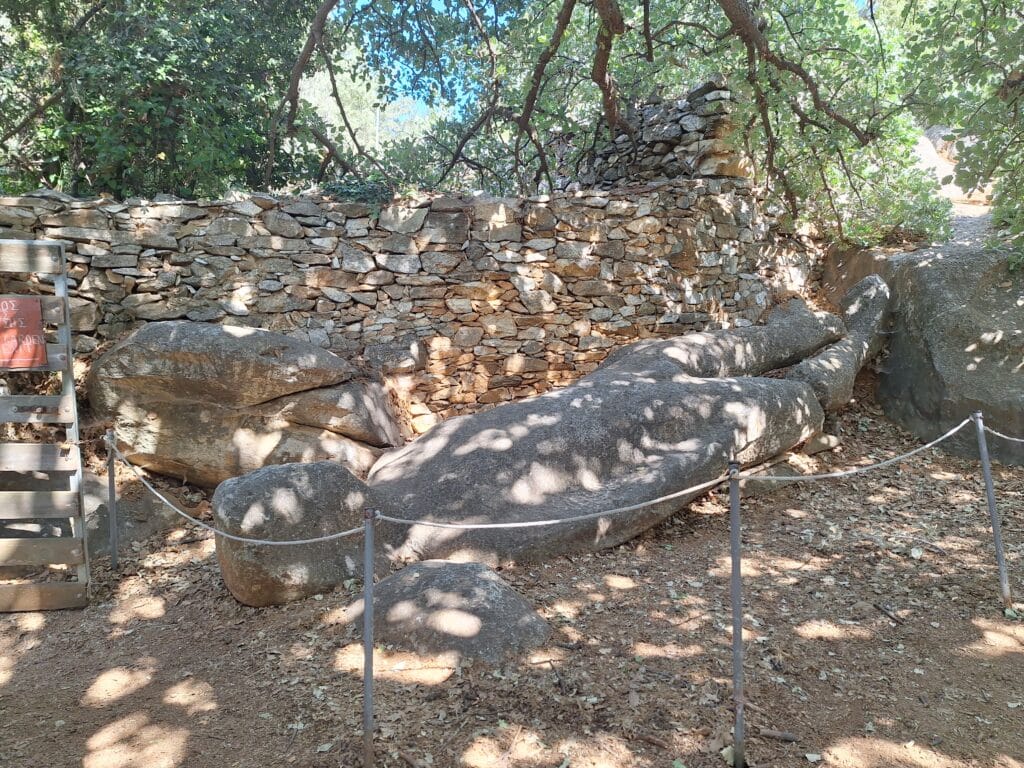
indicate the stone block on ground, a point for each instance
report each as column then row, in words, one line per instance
column 205, row 443
column 140, row 514
column 214, row 363
column 760, row 485
column 792, row 332
column 821, row 443
column 957, row 337
column 359, row 410
column 638, row 428
column 833, row 371
column 207, row 402
column 443, row 607
column 290, row 502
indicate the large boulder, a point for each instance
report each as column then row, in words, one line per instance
column 207, row 402
column 792, row 333
column 288, row 503
column 833, row 371
column 957, row 339
column 206, row 443
column 635, row 429
column 442, row 607
column 190, row 362
column 360, row 410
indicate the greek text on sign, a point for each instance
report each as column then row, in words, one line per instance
column 22, row 343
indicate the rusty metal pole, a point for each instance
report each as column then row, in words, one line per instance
column 993, row 512
column 111, row 440
column 368, row 757
column 736, row 594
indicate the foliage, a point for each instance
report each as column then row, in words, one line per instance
column 507, row 95
column 869, row 198
column 1008, row 211
column 823, row 171
column 374, row 191
column 966, row 70
column 162, row 96
column 1008, row 215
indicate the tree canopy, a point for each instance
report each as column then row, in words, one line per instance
column 188, row 97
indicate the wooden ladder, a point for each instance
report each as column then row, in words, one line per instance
column 42, row 481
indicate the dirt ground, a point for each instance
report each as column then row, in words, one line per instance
column 874, row 633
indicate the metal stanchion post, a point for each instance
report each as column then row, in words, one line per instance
column 736, row 593
column 368, row 519
column 997, row 533
column 111, row 440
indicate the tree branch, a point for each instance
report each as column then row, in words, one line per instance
column 612, row 24
column 290, row 100
column 31, row 117
column 464, row 140
column 360, row 150
column 491, row 55
column 330, row 146
column 58, row 92
column 747, row 27
column 561, row 23
column 648, row 39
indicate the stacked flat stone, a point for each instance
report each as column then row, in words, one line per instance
column 460, row 301
column 673, row 139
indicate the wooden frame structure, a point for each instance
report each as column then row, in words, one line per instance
column 56, row 509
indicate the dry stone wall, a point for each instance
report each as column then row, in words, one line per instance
column 459, row 301
column 669, row 139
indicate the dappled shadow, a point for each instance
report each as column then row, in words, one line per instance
column 166, row 669
column 957, row 336
column 136, row 679
column 643, row 425
column 207, row 402
column 462, row 610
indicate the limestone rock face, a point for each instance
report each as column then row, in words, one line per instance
column 833, row 371
column 280, row 503
column 957, row 341
column 636, row 429
column 207, row 402
column 462, row 608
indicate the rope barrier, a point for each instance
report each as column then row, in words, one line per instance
column 557, row 521
column 1004, row 437
column 225, row 534
column 736, row 597
column 856, row 470
column 550, row 522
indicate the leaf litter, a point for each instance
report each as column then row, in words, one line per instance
column 872, row 625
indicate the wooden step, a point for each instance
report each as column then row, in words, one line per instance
column 50, row 596
column 34, row 505
column 30, row 256
column 37, row 409
column 43, row 551
column 37, row 457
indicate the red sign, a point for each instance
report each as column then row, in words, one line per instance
column 22, row 344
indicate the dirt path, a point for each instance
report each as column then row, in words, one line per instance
column 873, row 629
column 972, row 227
